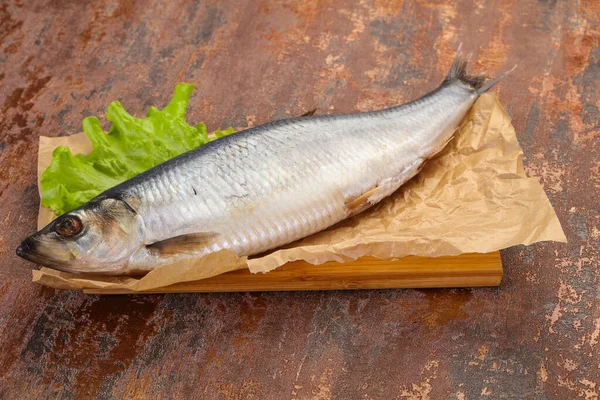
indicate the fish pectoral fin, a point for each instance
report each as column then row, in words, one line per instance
column 359, row 203
column 184, row 243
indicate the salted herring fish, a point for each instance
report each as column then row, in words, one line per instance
column 258, row 189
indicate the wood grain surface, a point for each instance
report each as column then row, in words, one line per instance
column 365, row 273
column 536, row 336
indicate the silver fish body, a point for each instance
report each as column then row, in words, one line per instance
column 276, row 183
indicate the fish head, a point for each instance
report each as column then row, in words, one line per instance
column 98, row 237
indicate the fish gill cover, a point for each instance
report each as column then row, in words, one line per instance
column 131, row 146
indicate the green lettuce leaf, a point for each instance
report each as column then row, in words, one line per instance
column 131, row 146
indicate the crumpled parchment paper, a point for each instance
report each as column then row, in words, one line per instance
column 474, row 197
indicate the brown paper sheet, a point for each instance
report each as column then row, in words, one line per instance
column 473, row 198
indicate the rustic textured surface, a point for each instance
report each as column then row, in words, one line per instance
column 536, row 336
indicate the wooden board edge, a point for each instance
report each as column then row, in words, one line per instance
column 465, row 270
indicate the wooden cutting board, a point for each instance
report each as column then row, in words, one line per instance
column 365, row 273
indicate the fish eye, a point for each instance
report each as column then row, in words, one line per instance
column 69, row 226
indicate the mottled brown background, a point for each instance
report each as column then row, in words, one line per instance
column 535, row 336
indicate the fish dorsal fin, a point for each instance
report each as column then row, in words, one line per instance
column 184, row 243
column 309, row 113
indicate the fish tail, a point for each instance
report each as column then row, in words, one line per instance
column 479, row 82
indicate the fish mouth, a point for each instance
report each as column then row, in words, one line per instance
column 28, row 250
